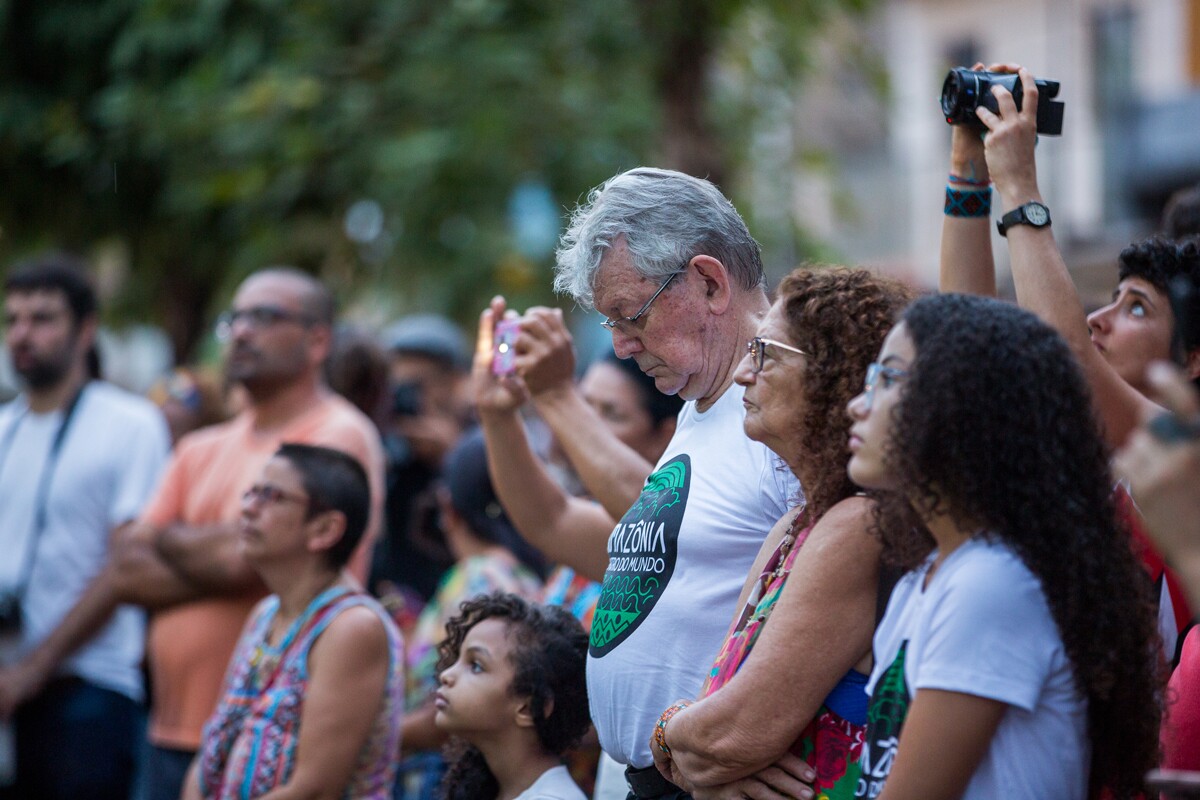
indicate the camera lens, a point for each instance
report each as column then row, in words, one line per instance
column 950, row 91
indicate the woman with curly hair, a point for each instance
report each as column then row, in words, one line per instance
column 513, row 691
column 810, row 600
column 1018, row 657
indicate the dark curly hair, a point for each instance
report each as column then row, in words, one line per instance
column 548, row 659
column 840, row 317
column 994, row 428
column 1158, row 261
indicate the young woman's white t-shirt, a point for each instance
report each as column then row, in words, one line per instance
column 982, row 627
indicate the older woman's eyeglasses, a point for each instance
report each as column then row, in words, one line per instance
column 627, row 325
column 757, row 348
column 880, row 374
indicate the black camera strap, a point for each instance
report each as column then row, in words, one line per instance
column 42, row 498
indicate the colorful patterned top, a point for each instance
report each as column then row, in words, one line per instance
column 250, row 741
column 833, row 739
column 574, row 592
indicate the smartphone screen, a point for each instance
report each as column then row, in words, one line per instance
column 504, row 355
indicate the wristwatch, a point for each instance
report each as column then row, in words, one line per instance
column 1033, row 213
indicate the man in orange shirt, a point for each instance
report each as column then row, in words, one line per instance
column 184, row 560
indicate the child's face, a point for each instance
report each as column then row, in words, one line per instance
column 474, row 697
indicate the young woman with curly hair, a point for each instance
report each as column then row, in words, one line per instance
column 789, row 677
column 514, row 694
column 1018, row 657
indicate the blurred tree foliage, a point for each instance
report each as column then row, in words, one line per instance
column 206, row 138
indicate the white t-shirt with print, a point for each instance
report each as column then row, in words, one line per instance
column 677, row 562
column 553, row 784
column 982, row 627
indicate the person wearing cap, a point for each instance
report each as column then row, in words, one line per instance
column 427, row 365
column 489, row 556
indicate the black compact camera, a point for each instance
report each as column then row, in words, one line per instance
column 407, row 400
column 965, row 90
column 10, row 613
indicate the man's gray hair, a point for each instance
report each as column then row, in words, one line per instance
column 666, row 218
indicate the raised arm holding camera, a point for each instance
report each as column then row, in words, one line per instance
column 1114, row 344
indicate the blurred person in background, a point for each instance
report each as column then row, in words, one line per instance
column 311, row 705
column 489, row 556
column 812, row 599
column 424, row 417
column 79, row 458
column 1181, row 214
column 184, row 559
column 357, row 369
column 189, row 398
column 669, row 261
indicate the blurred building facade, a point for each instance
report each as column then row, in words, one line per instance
column 1130, row 75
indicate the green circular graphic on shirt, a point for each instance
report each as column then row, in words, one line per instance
column 641, row 556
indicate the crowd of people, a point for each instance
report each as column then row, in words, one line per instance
column 830, row 539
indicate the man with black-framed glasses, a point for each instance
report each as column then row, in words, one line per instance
column 184, row 560
column 669, row 262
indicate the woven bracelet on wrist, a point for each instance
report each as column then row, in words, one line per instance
column 968, row 203
column 660, row 727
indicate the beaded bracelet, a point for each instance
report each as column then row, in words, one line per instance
column 968, row 202
column 660, row 727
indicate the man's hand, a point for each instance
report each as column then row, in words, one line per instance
column 1010, row 141
column 789, row 778
column 493, row 394
column 1164, row 475
column 545, row 351
column 19, row 683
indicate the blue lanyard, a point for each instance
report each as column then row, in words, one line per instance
column 43, row 491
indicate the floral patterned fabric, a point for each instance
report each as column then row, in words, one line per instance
column 830, row 743
column 250, row 742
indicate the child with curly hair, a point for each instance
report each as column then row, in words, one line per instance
column 513, row 693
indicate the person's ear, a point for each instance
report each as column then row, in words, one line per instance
column 718, row 285
column 327, row 529
column 320, row 342
column 1191, row 363
column 525, row 718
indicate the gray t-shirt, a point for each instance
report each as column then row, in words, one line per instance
column 677, row 562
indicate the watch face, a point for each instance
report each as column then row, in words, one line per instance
column 1037, row 214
